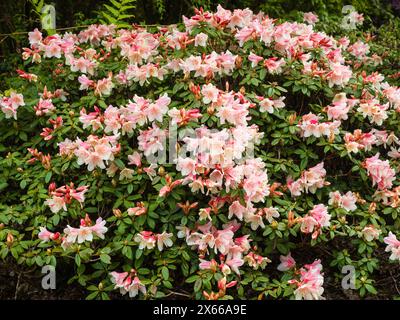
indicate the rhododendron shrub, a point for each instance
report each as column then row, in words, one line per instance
column 231, row 156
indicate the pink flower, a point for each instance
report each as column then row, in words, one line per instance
column 9, row 105
column 339, row 108
column 339, row 75
column 316, row 219
column 56, row 204
column 370, row 233
column 274, row 65
column 311, row 280
column 236, row 209
column 347, row 201
column 126, row 284
column 146, row 239
column 310, row 17
column 310, row 180
column 85, row 82
column 359, row 49
column 164, row 239
column 380, row 172
column 393, row 245
column 135, row 159
column 255, row 59
column 156, row 110
column 46, row 235
column 210, row 93
column 99, row 228
column 35, row 37
column 310, row 126
column 287, row 263
column 152, row 140
column 103, row 87
column 375, row 111
column 200, row 40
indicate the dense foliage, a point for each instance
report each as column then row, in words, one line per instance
column 218, row 158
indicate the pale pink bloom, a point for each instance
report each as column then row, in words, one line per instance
column 104, row 87
column 223, row 241
column 320, row 214
column 124, row 282
column 339, row 108
column 186, row 166
column 156, row 110
column 255, row 220
column 200, row 40
column 393, row 245
column 208, row 265
column 287, row 263
column 346, row 201
column 234, row 264
column 56, row 204
column 84, row 234
column 256, row 261
column 44, row 106
column 274, row 65
column 236, row 209
column 210, row 93
column 335, row 199
column 310, row 180
column 146, row 239
column 243, row 242
column 380, row 172
column 310, row 126
column 152, row 140
column 339, row 75
column 375, row 111
column 137, row 211
column 164, row 239
column 255, row 59
column 270, row 213
column 46, row 235
column 344, row 42
column 135, row 287
column 311, row 280
column 349, row 201
column 359, row 49
column 71, row 234
column 308, row 223
column 52, row 50
column 85, row 82
column 269, row 105
column 355, row 18
column 310, row 17
column 35, row 37
column 99, row 229
column 135, row 159
column 370, row 233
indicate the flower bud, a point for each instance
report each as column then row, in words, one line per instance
column 292, row 118
column 10, row 239
column 238, row 62
column 161, row 171
column 117, row 213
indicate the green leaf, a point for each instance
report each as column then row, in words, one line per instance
column 165, row 272
column 48, row 176
column 105, row 258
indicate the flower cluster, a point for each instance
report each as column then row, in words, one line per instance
column 309, row 287
column 63, row 195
